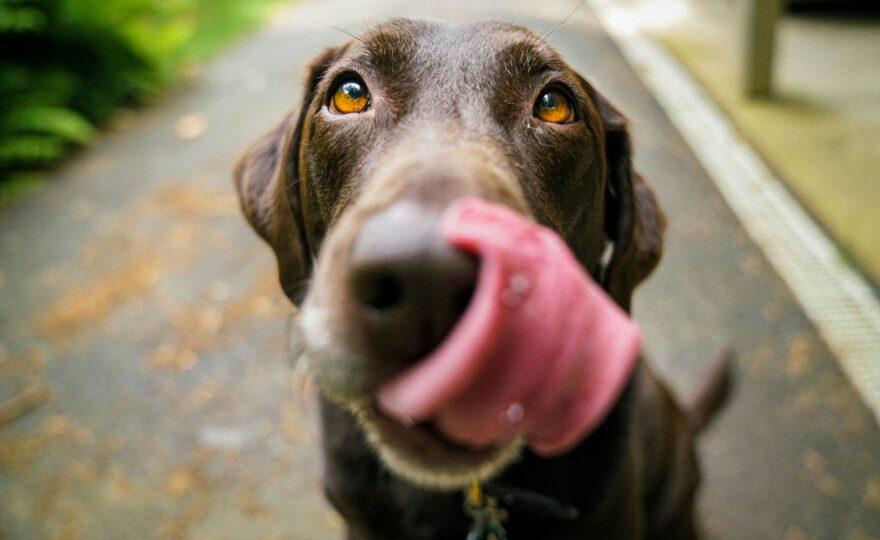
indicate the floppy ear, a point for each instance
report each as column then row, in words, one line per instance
column 634, row 221
column 268, row 184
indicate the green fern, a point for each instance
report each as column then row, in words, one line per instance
column 67, row 65
column 59, row 76
column 64, row 124
column 20, row 19
column 29, row 150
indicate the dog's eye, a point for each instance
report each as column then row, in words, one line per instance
column 553, row 106
column 350, row 96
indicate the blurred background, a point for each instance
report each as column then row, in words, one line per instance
column 799, row 79
column 69, row 67
column 146, row 384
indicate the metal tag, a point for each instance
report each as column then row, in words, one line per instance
column 485, row 513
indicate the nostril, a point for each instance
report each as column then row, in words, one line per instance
column 377, row 289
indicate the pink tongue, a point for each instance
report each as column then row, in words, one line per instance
column 541, row 351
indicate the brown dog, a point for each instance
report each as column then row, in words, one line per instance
column 348, row 190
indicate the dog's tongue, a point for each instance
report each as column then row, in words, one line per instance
column 541, row 351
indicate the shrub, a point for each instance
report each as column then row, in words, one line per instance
column 59, row 76
column 67, row 65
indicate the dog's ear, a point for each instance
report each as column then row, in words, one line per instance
column 268, row 184
column 634, row 222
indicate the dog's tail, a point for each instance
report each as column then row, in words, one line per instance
column 711, row 393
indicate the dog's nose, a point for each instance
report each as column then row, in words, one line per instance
column 408, row 285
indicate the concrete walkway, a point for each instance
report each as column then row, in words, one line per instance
column 141, row 322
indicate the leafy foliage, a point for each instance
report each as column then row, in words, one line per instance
column 67, row 65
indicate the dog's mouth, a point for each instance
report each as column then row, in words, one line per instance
column 422, row 454
column 540, row 353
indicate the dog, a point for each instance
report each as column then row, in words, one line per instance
column 394, row 126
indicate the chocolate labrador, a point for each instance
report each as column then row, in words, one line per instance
column 348, row 190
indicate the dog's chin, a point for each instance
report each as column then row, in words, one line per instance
column 417, row 453
column 422, row 456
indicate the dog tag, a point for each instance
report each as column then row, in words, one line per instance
column 485, row 513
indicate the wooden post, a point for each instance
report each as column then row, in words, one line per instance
column 759, row 44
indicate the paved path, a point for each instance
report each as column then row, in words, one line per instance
column 142, row 318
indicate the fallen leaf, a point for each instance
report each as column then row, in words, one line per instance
column 16, row 452
column 794, row 533
column 190, row 127
column 829, row 485
column 181, row 481
column 33, row 396
column 169, row 356
column 798, row 362
column 179, row 526
column 87, row 307
column 813, row 461
column 118, row 484
column 871, row 495
column 249, row 503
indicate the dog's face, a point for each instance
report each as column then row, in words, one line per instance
column 396, row 125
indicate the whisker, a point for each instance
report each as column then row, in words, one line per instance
column 344, row 31
column 565, row 20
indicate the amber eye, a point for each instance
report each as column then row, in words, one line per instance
column 553, row 106
column 350, row 96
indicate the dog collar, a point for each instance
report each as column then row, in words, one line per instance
column 482, row 505
column 531, row 502
column 486, row 516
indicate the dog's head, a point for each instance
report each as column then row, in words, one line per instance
column 395, row 125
